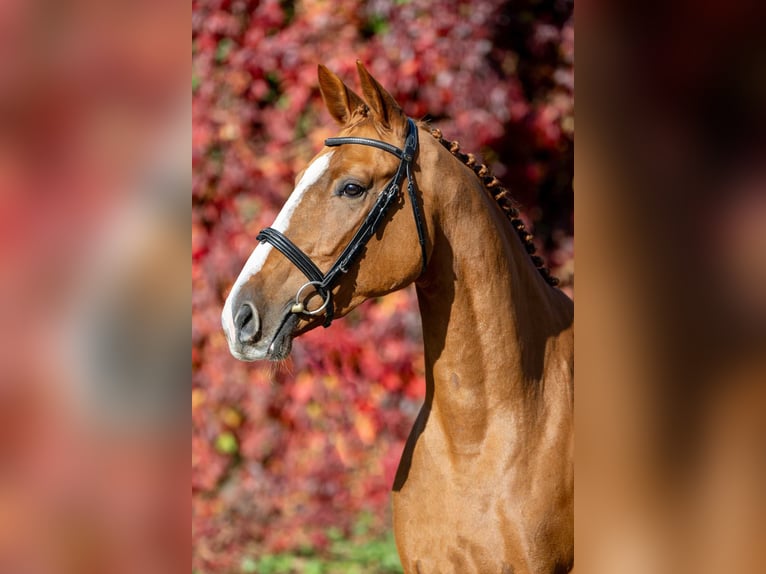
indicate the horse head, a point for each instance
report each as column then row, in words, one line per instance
column 343, row 236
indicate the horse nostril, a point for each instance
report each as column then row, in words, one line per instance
column 247, row 323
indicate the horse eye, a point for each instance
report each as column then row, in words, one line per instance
column 352, row 190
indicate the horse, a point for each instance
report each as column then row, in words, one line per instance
column 486, row 479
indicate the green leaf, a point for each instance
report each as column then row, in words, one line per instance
column 223, row 49
column 334, row 533
column 248, row 565
column 226, row 443
column 377, row 24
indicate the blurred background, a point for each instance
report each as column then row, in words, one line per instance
column 671, row 219
column 94, row 268
column 292, row 465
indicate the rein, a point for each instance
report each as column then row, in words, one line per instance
column 324, row 283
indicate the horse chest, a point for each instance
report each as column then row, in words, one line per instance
column 443, row 528
column 472, row 515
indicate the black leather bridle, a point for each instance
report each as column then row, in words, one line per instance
column 323, row 283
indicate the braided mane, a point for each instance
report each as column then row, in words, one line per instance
column 503, row 199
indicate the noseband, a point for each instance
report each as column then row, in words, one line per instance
column 324, row 283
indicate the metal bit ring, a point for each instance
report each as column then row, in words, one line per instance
column 298, row 307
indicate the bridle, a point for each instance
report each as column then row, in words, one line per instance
column 323, row 283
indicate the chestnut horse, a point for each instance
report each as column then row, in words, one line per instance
column 485, row 483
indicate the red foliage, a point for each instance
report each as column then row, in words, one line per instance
column 280, row 453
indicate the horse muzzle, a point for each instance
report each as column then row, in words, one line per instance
column 250, row 340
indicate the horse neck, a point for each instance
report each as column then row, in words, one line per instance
column 494, row 331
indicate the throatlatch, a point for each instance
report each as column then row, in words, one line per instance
column 324, row 283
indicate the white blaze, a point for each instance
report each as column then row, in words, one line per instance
column 257, row 258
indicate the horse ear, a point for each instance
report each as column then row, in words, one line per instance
column 383, row 105
column 340, row 100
